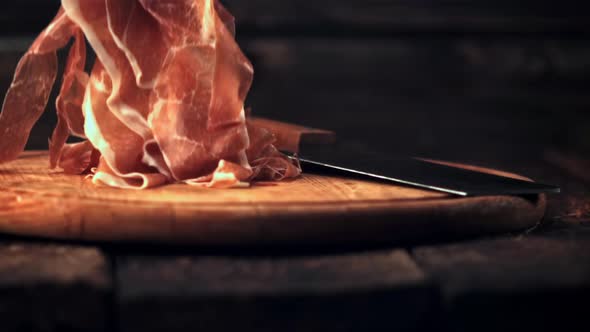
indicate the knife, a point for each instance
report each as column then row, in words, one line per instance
column 320, row 151
column 416, row 172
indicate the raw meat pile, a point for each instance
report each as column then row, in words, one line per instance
column 164, row 101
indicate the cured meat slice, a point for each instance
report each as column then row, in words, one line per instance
column 70, row 119
column 164, row 101
column 226, row 175
column 78, row 158
column 121, row 148
column 34, row 77
column 198, row 116
column 126, row 101
column 135, row 31
column 180, row 118
column 115, row 108
column 267, row 162
column 137, row 180
column 182, row 20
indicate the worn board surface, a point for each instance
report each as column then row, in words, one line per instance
column 514, row 283
column 311, row 209
column 375, row 291
column 53, row 287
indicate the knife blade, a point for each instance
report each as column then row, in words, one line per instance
column 418, row 173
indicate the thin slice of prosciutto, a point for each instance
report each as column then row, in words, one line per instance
column 163, row 103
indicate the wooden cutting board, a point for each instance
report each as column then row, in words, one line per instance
column 35, row 201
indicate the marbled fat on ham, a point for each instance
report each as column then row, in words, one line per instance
column 164, row 101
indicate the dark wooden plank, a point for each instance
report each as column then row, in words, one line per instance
column 536, row 282
column 444, row 70
column 430, row 97
column 363, row 292
column 358, row 16
column 53, row 287
column 353, row 16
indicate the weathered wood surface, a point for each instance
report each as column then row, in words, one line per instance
column 538, row 282
column 53, row 287
column 311, row 209
column 375, row 291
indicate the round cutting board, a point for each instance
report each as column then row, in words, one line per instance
column 35, row 201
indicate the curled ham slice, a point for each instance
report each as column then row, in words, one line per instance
column 164, row 101
column 29, row 92
column 78, row 158
column 70, row 119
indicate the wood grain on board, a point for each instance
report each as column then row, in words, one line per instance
column 310, row 209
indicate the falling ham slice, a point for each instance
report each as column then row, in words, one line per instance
column 29, row 92
column 164, row 101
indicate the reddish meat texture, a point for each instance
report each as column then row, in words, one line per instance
column 164, row 101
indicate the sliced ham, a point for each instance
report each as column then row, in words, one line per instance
column 267, row 162
column 70, row 120
column 164, row 101
column 115, row 107
column 78, row 158
column 28, row 94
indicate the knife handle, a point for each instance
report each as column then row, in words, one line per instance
column 290, row 137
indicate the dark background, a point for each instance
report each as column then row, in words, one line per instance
column 499, row 83
column 469, row 80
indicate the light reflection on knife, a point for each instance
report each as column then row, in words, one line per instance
column 419, row 173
